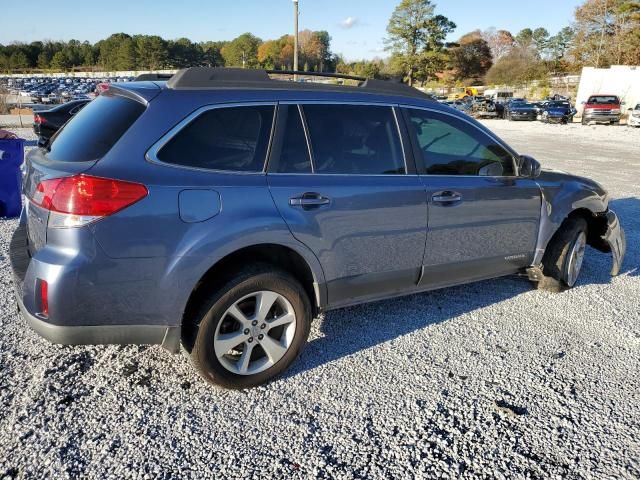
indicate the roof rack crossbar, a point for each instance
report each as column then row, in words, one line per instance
column 152, row 77
column 316, row 74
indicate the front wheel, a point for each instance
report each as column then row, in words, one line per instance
column 252, row 329
column 563, row 258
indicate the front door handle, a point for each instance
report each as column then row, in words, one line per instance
column 309, row 200
column 446, row 197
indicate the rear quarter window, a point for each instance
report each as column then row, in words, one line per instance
column 227, row 138
column 91, row 133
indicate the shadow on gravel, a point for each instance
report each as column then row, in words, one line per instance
column 350, row 330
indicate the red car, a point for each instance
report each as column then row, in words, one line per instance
column 602, row 109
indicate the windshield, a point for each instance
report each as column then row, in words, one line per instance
column 559, row 104
column 95, row 129
column 604, row 100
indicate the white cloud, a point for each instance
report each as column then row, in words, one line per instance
column 349, row 22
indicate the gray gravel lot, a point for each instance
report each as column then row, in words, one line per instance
column 492, row 379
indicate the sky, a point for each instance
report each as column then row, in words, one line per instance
column 357, row 27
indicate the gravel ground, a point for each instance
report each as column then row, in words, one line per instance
column 490, row 380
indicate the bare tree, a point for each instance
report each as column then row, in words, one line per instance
column 500, row 42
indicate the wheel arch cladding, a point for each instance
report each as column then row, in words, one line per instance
column 280, row 256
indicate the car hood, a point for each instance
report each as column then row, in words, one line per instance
column 602, row 106
column 558, row 110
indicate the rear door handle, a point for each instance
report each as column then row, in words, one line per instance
column 309, row 200
column 446, row 197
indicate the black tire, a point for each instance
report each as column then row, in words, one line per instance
column 584, row 121
column 555, row 262
column 205, row 321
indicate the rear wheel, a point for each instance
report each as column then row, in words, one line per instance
column 252, row 329
column 562, row 261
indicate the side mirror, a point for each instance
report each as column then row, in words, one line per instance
column 529, row 167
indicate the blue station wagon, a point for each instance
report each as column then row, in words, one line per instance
column 221, row 210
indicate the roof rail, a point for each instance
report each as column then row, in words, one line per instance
column 202, row 78
column 152, row 77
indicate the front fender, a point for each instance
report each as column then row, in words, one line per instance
column 563, row 194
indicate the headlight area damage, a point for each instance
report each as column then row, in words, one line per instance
column 608, row 237
column 615, row 241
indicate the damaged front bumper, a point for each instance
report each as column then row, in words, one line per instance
column 614, row 236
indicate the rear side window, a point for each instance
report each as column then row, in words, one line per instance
column 95, row 129
column 354, row 139
column 230, row 138
column 451, row 146
column 290, row 152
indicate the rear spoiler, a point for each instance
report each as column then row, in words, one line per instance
column 140, row 92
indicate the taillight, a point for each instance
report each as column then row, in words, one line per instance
column 102, row 87
column 44, row 298
column 37, row 119
column 81, row 199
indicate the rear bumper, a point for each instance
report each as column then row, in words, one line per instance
column 615, row 237
column 168, row 337
column 79, row 295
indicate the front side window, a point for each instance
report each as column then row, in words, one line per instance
column 451, row 146
column 228, row 138
column 354, row 139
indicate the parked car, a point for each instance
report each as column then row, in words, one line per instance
column 223, row 210
column 486, row 108
column 602, row 109
column 461, row 105
column 557, row 112
column 520, row 110
column 634, row 116
column 48, row 122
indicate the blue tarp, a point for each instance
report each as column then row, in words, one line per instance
column 11, row 158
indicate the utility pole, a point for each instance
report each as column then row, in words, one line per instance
column 295, row 39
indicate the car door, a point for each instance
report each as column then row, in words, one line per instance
column 483, row 218
column 339, row 178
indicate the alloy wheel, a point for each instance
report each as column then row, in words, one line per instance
column 576, row 257
column 255, row 332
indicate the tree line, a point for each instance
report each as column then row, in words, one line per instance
column 150, row 52
column 603, row 33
